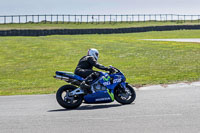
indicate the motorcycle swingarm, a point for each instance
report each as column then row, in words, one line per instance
column 77, row 91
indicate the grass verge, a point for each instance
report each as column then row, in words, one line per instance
column 27, row 64
column 72, row 25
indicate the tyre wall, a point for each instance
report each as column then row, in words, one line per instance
column 94, row 31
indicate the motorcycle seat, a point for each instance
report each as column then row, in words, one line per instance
column 69, row 74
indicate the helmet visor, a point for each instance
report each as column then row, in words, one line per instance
column 97, row 54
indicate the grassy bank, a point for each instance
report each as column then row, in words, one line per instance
column 71, row 25
column 27, row 64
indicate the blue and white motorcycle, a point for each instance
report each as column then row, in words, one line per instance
column 107, row 88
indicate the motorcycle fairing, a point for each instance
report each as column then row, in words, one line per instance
column 111, row 81
column 99, row 97
column 69, row 74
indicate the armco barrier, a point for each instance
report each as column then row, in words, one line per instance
column 94, row 31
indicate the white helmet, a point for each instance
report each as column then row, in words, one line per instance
column 93, row 52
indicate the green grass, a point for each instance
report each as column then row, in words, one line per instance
column 28, row 64
column 71, row 25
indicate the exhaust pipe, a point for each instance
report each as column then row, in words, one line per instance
column 67, row 79
column 61, row 77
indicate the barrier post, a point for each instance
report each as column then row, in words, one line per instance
column 57, row 19
column 138, row 17
column 63, row 18
column 45, row 17
column 19, row 20
column 12, row 19
column 75, row 18
column 132, row 18
column 26, row 18
column 32, row 18
column 110, row 19
column 184, row 18
column 4, row 19
column 87, row 19
column 171, row 17
column 51, row 18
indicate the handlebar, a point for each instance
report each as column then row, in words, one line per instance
column 115, row 70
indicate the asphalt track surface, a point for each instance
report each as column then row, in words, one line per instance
column 157, row 109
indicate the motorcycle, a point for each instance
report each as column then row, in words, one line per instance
column 107, row 88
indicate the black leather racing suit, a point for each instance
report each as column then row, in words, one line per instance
column 85, row 65
column 84, row 69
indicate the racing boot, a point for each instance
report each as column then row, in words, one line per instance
column 86, row 88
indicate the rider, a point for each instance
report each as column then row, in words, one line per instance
column 84, row 69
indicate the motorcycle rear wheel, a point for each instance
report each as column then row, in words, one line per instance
column 66, row 101
column 125, row 97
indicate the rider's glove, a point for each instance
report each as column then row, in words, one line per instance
column 111, row 70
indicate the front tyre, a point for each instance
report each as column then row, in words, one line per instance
column 125, row 96
column 66, row 101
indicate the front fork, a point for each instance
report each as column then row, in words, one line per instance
column 123, row 86
column 125, row 90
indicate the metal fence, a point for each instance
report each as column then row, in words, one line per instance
column 10, row 19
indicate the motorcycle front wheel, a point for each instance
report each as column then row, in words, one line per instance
column 125, row 96
column 66, row 101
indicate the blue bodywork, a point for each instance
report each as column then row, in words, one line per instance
column 109, row 81
column 70, row 75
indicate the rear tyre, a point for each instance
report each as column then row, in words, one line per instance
column 66, row 101
column 124, row 97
